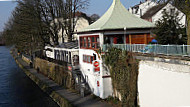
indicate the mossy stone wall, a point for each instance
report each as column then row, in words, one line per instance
column 56, row 72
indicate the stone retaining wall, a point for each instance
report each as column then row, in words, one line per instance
column 57, row 73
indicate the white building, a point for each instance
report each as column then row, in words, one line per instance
column 81, row 23
column 155, row 13
column 116, row 26
column 141, row 8
column 152, row 11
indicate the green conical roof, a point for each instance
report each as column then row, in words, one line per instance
column 117, row 17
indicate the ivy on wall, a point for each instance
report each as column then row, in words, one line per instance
column 124, row 72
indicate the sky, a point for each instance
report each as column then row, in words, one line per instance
column 6, row 8
column 95, row 7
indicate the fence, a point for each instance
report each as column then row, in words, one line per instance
column 180, row 50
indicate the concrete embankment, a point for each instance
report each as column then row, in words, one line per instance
column 63, row 97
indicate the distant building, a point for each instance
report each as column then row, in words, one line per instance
column 155, row 13
column 141, row 8
column 152, row 11
column 82, row 21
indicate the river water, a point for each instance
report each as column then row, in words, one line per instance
column 16, row 89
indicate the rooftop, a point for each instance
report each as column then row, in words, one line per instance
column 152, row 11
column 69, row 45
column 118, row 17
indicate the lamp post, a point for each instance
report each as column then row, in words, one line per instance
column 125, row 37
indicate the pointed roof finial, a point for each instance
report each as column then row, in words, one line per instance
column 116, row 1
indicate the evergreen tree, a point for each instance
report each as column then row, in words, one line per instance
column 184, row 6
column 169, row 30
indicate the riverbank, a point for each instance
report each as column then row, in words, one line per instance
column 16, row 88
column 63, row 97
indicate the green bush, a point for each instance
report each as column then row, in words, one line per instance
column 124, row 72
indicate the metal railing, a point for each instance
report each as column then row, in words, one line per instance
column 180, row 50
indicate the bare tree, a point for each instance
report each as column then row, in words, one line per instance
column 72, row 6
column 34, row 22
column 49, row 10
column 60, row 14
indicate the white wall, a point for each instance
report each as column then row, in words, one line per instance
column 143, row 8
column 168, row 7
column 163, row 85
column 87, row 69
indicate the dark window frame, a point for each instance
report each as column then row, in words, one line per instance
column 89, row 45
column 86, row 59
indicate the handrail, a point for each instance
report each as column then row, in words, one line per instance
column 179, row 50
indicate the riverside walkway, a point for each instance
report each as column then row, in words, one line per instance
column 60, row 95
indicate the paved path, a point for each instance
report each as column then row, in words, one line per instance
column 74, row 98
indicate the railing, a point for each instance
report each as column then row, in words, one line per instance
column 180, row 50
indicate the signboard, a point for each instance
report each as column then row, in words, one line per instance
column 96, row 63
column 69, row 68
column 98, row 83
column 96, row 66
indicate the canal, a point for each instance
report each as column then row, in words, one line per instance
column 16, row 89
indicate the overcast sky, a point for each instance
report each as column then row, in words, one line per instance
column 95, row 6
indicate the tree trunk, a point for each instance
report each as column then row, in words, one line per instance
column 70, row 37
column 56, row 40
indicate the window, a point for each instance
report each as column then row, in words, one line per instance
column 114, row 39
column 81, row 42
column 89, row 42
column 97, row 43
column 93, row 42
column 120, row 40
column 75, row 60
column 107, row 40
column 85, row 45
column 88, row 59
column 84, row 58
column 94, row 56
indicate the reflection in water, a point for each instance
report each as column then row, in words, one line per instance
column 16, row 89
